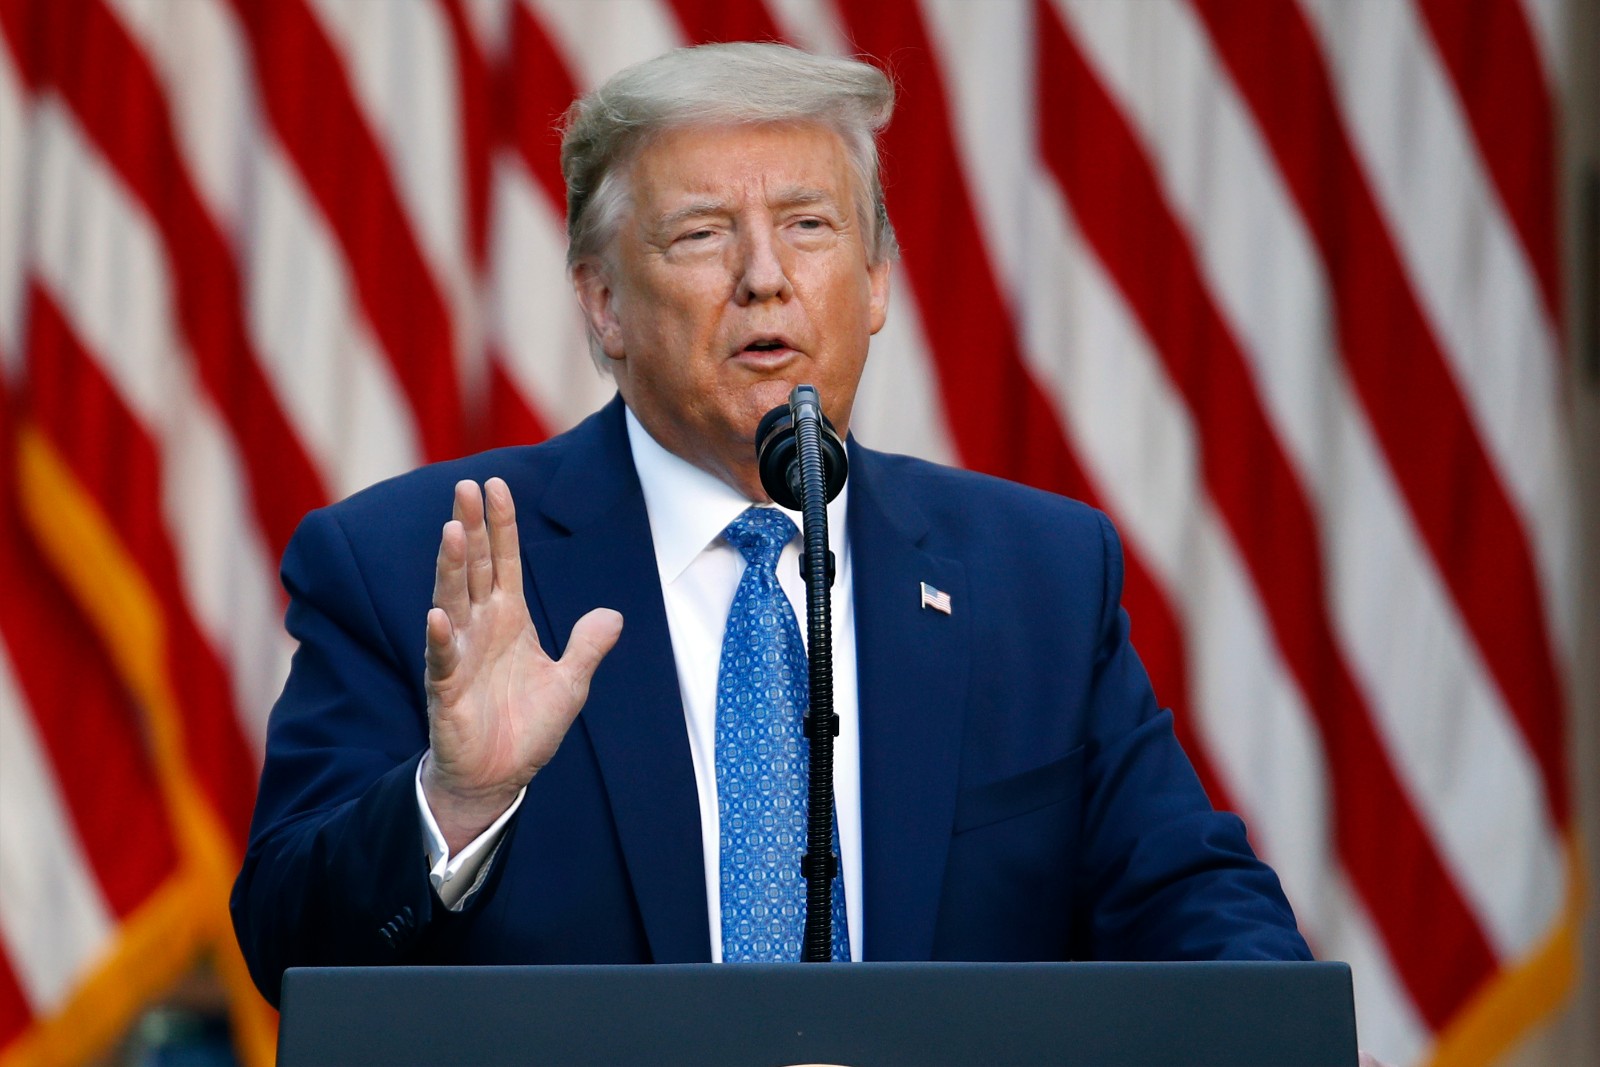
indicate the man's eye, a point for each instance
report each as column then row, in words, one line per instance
column 696, row 235
column 809, row 224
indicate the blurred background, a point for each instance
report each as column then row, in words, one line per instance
column 1303, row 293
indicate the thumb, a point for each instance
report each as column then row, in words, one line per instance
column 593, row 636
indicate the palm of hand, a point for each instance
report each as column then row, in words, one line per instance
column 498, row 705
column 498, row 717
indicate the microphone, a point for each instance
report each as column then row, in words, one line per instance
column 803, row 466
column 778, row 450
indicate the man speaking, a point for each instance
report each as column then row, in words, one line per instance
column 546, row 704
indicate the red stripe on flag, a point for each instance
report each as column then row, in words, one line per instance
column 85, row 722
column 308, row 95
column 536, row 88
column 704, row 21
column 20, row 30
column 1090, row 149
column 475, row 90
column 1489, row 50
column 80, row 49
column 1160, row 643
column 15, row 1012
column 118, row 465
column 1448, row 481
column 512, row 420
column 539, row 89
column 1006, row 426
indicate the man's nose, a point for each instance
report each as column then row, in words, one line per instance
column 762, row 274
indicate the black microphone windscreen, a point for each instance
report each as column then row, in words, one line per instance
column 776, row 452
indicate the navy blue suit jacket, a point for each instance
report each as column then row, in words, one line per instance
column 1022, row 795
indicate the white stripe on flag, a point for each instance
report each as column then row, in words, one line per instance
column 15, row 207
column 535, row 318
column 316, row 351
column 899, row 407
column 814, row 25
column 204, row 69
column 986, row 55
column 101, row 262
column 490, row 21
column 1262, row 270
column 402, row 69
column 1388, row 1025
column 1466, row 266
column 54, row 919
column 340, row 392
column 598, row 40
column 1549, row 20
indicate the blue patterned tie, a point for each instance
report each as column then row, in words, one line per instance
column 762, row 754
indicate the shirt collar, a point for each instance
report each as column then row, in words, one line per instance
column 689, row 507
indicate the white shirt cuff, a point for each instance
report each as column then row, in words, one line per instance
column 455, row 878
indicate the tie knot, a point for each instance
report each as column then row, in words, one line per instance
column 760, row 533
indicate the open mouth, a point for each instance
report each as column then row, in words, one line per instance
column 762, row 344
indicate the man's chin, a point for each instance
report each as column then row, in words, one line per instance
column 765, row 395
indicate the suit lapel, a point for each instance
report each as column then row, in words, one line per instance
column 597, row 552
column 913, row 667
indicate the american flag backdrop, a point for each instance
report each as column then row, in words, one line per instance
column 1276, row 284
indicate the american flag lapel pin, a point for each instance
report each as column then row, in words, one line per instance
column 937, row 599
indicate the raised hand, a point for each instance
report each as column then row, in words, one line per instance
column 498, row 705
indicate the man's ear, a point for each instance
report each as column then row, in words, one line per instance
column 878, row 299
column 598, row 301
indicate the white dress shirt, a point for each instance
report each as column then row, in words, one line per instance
column 700, row 572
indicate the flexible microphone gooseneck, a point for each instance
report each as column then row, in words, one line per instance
column 803, row 465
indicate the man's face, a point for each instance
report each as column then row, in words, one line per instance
column 738, row 271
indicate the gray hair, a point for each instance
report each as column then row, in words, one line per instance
column 714, row 84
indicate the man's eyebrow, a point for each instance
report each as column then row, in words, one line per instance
column 801, row 196
column 693, row 210
column 792, row 197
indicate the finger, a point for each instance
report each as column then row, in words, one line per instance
column 450, row 573
column 504, row 545
column 480, row 567
column 440, row 653
column 593, row 636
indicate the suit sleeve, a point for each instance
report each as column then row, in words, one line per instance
column 1165, row 875
column 335, row 872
